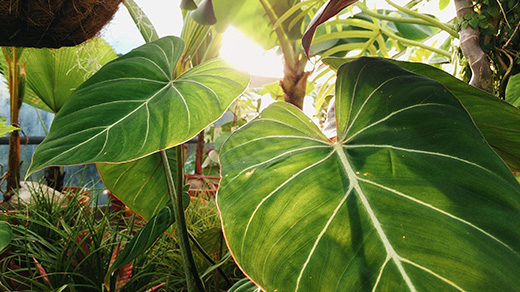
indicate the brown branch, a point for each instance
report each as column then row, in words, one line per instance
column 469, row 43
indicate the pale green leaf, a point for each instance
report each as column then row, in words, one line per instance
column 143, row 23
column 53, row 74
column 4, row 129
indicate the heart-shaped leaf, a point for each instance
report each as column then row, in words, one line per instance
column 136, row 105
column 410, row 197
column 140, row 184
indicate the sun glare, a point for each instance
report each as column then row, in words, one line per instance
column 242, row 53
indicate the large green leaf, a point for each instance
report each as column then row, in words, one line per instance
column 496, row 119
column 410, row 198
column 6, row 234
column 135, row 105
column 141, row 183
column 53, row 74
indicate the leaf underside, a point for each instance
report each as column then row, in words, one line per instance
column 410, row 198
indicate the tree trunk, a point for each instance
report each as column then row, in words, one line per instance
column 15, row 100
column 54, row 177
column 294, row 82
column 482, row 76
column 13, row 167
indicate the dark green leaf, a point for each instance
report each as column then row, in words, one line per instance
column 217, row 265
column 410, row 197
column 204, row 14
column 212, row 241
column 416, row 32
column 135, row 105
column 497, row 120
column 5, row 234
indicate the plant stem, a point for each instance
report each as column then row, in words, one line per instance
column 426, row 18
column 414, row 43
column 193, row 281
column 208, row 257
column 13, row 168
column 287, row 49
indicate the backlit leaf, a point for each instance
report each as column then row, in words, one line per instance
column 410, row 197
column 135, row 106
column 497, row 120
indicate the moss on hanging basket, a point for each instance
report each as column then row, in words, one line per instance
column 53, row 23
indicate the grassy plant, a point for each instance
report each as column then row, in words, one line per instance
column 64, row 243
column 204, row 225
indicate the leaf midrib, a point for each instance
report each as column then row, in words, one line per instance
column 354, row 184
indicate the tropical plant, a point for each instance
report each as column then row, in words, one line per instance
column 396, row 203
column 148, row 91
column 301, row 211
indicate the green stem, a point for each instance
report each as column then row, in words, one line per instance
column 390, row 34
column 285, row 44
column 208, row 257
column 193, row 281
column 13, row 167
column 426, row 18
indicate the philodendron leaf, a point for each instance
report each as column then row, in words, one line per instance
column 140, row 184
column 497, row 120
column 135, row 105
column 5, row 234
column 409, row 198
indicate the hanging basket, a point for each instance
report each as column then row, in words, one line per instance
column 53, row 23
